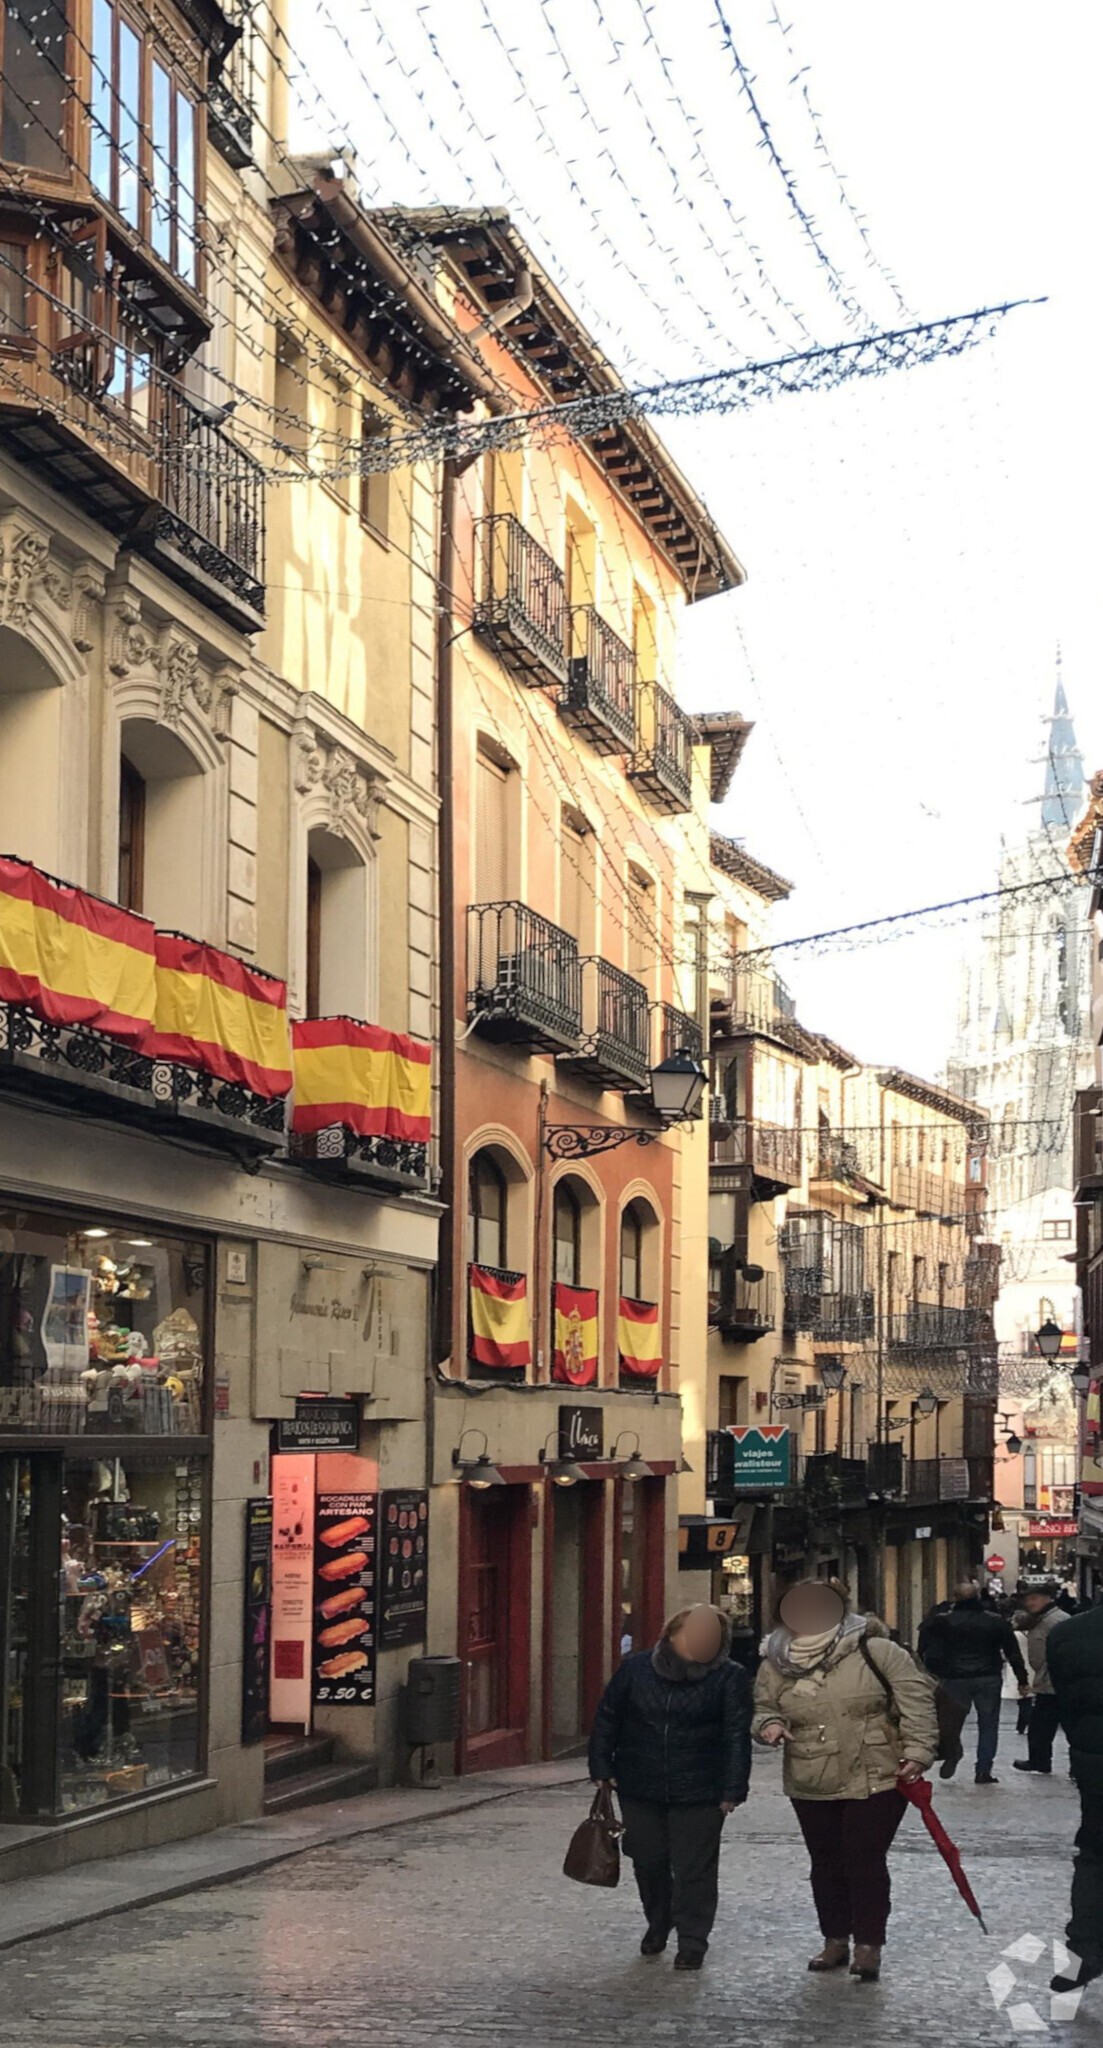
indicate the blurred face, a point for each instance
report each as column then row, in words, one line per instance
column 699, row 1638
column 1035, row 1603
column 811, row 1610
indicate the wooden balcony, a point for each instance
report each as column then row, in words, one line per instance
column 771, row 1152
column 616, row 1036
column 661, row 766
column 524, row 978
column 522, row 611
column 600, row 697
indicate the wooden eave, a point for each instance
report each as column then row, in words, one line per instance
column 897, row 1082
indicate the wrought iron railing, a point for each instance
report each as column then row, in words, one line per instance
column 615, row 1025
column 932, row 1326
column 770, row 1150
column 679, row 1033
column 600, row 696
column 213, row 498
column 662, row 763
column 748, row 1306
column 522, row 609
column 844, row 1318
column 524, row 976
column 831, row 1480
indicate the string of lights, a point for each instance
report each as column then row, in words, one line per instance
column 1066, row 882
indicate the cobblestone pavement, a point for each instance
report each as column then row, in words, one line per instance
column 462, row 1930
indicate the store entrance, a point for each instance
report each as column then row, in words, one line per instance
column 495, row 1587
column 575, row 1638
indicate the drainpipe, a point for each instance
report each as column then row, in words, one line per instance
column 446, row 928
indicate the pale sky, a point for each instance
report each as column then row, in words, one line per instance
column 916, row 546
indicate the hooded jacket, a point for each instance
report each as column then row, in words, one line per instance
column 1075, row 1663
column 847, row 1742
column 675, row 1733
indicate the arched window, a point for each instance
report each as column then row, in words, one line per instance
column 487, row 1207
column 162, row 817
column 568, row 1235
column 631, row 1252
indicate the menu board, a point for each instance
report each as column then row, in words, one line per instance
column 344, row 1599
column 403, row 1568
column 257, row 1619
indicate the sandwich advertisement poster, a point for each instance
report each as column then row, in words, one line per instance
column 344, row 1599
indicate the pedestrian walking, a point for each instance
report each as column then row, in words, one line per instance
column 1043, row 1617
column 672, row 1733
column 821, row 1692
column 1075, row 1663
column 965, row 1646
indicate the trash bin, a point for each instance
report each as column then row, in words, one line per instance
column 432, row 1700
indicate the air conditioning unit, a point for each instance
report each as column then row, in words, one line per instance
column 814, row 1397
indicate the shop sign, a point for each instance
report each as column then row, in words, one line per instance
column 292, row 1587
column 582, row 1433
column 257, row 1620
column 1054, row 1528
column 761, row 1456
column 403, row 1568
column 344, row 1599
column 329, row 1425
column 702, row 1541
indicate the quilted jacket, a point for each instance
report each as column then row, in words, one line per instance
column 847, row 1743
column 683, row 1739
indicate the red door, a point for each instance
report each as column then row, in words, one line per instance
column 638, row 1565
column 495, row 1575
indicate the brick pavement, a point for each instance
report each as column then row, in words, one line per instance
column 461, row 1930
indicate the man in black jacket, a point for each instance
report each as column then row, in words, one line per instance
column 673, row 1733
column 965, row 1647
column 1074, row 1655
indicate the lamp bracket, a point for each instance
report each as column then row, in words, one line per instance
column 581, row 1141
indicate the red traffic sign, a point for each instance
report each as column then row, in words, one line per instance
column 994, row 1564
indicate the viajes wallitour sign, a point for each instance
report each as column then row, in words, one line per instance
column 761, row 1456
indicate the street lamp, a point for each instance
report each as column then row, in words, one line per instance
column 1014, row 1444
column 562, row 1471
column 1048, row 1338
column 677, row 1085
column 925, row 1402
column 632, row 1467
column 477, row 1472
column 833, row 1374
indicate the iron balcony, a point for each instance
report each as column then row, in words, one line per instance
column 600, row 697
column 524, row 978
column 661, row 766
column 615, row 1047
column 522, row 611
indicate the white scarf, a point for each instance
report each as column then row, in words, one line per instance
column 809, row 1650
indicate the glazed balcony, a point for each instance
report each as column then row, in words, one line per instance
column 747, row 1309
column 524, row 978
column 770, row 1152
column 927, row 1480
column 522, row 612
column 616, row 1028
column 600, row 698
column 661, row 766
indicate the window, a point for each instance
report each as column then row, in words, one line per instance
column 13, row 290
column 336, row 964
column 313, row 938
column 487, row 1203
column 34, row 67
column 492, row 820
column 132, row 835
column 576, row 878
column 580, row 565
column 375, row 485
column 732, row 1401
column 129, row 383
column 143, row 149
column 1057, row 1230
column 644, row 639
column 641, row 924
column 631, row 1253
column 568, row 1235
column 292, row 426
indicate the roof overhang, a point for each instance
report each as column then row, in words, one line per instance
column 955, row 1107
column 733, row 859
column 726, row 733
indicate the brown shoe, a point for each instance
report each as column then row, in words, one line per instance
column 832, row 1956
column 867, row 1962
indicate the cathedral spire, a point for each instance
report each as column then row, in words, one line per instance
column 1064, row 793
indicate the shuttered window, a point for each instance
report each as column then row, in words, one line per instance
column 491, row 831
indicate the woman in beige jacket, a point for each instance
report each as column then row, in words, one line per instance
column 845, row 1747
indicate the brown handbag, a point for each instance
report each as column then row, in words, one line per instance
column 594, row 1856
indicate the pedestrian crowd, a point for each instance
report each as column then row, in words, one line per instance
column 859, row 1721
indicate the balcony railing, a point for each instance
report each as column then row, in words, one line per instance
column 209, row 527
column 615, row 1047
column 936, row 1479
column 931, row 1326
column 524, row 977
column 522, row 611
column 833, row 1481
column 771, row 1151
column 662, row 764
column 844, row 1318
column 231, row 94
column 679, row 1033
column 747, row 1308
column 885, row 1467
column 600, row 698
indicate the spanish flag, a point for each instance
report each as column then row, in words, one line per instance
column 374, row 1082
column 72, row 958
column 215, row 1013
column 575, row 1335
column 639, row 1338
column 500, row 1335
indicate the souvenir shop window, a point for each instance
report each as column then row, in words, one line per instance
column 131, row 1585
column 101, row 1328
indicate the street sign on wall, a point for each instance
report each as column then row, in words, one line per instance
column 762, row 1456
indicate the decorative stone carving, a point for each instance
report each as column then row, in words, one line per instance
column 89, row 590
column 354, row 790
column 24, row 554
column 180, row 679
column 132, row 644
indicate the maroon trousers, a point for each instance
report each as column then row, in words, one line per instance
column 848, row 1841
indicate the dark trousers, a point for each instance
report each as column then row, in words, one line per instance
column 1085, row 1928
column 848, row 1841
column 675, row 1853
column 1044, row 1723
column 984, row 1695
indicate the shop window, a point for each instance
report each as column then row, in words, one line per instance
column 487, row 1211
column 132, row 835
column 172, row 821
column 336, row 927
column 34, row 68
column 568, row 1235
column 143, row 137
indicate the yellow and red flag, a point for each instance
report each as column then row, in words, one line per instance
column 639, row 1338
column 214, row 1012
column 500, row 1329
column 72, row 958
column 375, row 1082
column 576, row 1335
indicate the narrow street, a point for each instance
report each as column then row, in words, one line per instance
column 463, row 1930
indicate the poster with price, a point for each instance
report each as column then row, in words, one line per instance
column 344, row 1599
column 403, row 1568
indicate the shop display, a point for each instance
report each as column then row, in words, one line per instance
column 403, row 1568
column 256, row 1647
column 344, row 1648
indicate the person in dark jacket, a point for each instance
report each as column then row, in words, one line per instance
column 1075, row 1660
column 965, row 1647
column 673, row 1734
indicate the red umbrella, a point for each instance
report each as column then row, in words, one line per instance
column 920, row 1796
